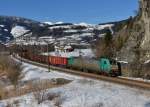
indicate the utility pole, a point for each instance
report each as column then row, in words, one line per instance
column 80, row 55
column 21, row 52
column 48, row 58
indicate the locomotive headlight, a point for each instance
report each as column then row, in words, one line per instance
column 114, row 68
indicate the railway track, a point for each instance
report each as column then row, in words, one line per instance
column 2, row 74
column 122, row 81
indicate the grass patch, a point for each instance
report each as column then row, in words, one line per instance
column 60, row 81
column 11, row 69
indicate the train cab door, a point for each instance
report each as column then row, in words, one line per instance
column 119, row 68
column 105, row 65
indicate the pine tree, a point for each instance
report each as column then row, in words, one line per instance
column 108, row 38
column 105, row 46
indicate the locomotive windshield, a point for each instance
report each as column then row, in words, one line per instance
column 113, row 62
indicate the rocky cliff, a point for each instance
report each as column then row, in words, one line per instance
column 145, row 22
column 137, row 35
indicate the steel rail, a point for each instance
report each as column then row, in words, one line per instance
column 122, row 81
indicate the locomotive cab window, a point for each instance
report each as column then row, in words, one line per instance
column 105, row 62
column 113, row 62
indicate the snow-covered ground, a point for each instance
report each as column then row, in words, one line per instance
column 81, row 92
column 139, row 79
column 34, row 72
column 49, row 23
column 2, row 25
column 18, row 31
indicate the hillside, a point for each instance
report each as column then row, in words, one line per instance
column 25, row 30
column 12, row 27
column 137, row 36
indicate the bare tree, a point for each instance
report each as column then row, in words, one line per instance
column 11, row 69
column 105, row 46
column 136, row 65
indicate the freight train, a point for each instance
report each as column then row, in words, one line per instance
column 103, row 66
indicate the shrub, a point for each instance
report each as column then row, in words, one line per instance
column 13, row 72
column 52, row 96
column 105, row 46
column 1, row 93
column 15, row 103
column 58, row 101
column 39, row 91
column 60, row 81
column 86, row 81
column 11, row 69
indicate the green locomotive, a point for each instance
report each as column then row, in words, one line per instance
column 103, row 66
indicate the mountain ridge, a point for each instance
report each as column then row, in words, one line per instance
column 82, row 32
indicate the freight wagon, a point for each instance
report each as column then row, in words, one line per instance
column 59, row 61
column 103, row 66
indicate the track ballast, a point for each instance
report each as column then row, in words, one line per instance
column 117, row 80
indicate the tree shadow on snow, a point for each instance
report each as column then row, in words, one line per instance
column 147, row 104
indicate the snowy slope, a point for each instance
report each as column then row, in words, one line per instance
column 84, row 24
column 49, row 23
column 2, row 25
column 11, row 26
column 59, row 22
column 85, row 32
column 70, row 33
column 82, row 92
column 18, row 31
column 54, row 29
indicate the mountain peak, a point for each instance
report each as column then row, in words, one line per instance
column 49, row 23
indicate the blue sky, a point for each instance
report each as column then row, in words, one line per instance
column 90, row 11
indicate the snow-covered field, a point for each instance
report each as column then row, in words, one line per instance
column 81, row 92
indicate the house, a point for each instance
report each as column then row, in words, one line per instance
column 63, row 48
